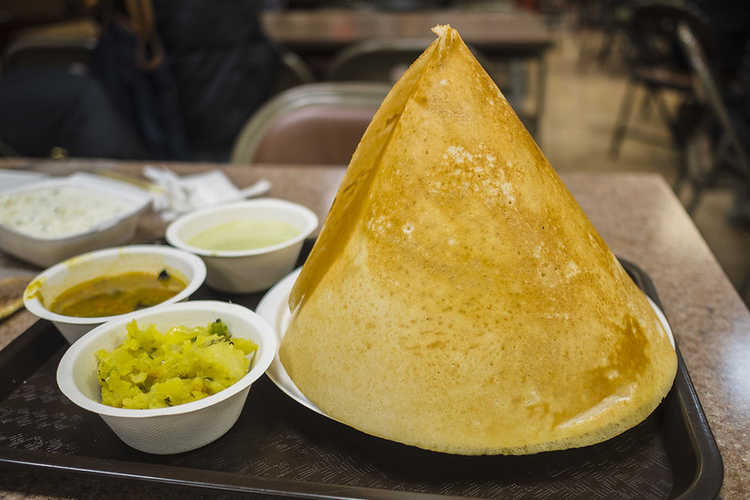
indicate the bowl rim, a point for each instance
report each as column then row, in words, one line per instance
column 35, row 306
column 266, row 352
column 138, row 206
column 173, row 238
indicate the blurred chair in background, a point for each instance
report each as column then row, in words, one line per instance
column 59, row 45
column 381, row 60
column 375, row 60
column 609, row 18
column 724, row 132
column 730, row 156
column 293, row 72
column 315, row 124
column 656, row 64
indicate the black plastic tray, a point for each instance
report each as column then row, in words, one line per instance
column 279, row 447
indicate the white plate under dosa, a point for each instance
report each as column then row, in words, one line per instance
column 274, row 308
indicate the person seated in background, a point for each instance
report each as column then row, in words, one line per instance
column 51, row 111
column 168, row 80
column 223, row 64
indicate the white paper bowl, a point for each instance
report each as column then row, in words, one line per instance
column 115, row 231
column 145, row 258
column 244, row 271
column 173, row 429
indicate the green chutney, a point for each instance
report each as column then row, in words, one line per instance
column 244, row 234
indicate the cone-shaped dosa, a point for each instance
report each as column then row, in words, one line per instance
column 458, row 299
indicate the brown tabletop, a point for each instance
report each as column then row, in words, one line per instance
column 636, row 214
column 328, row 30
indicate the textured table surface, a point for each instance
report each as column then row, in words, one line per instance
column 636, row 214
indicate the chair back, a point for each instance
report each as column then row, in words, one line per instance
column 381, row 60
column 57, row 45
column 709, row 90
column 314, row 124
column 652, row 32
column 293, row 72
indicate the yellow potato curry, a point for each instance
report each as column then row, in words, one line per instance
column 153, row 369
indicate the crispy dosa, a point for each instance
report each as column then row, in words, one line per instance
column 458, row 299
column 11, row 292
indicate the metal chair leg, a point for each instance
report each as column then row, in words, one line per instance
column 701, row 184
column 622, row 120
column 646, row 104
column 684, row 156
column 695, row 199
column 667, row 117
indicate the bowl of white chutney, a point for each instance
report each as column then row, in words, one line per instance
column 48, row 221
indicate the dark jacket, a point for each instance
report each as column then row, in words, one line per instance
column 223, row 64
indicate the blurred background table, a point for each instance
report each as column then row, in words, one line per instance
column 496, row 33
column 639, row 217
column 510, row 36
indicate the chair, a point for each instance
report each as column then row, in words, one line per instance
column 609, row 18
column 730, row 155
column 61, row 45
column 314, row 124
column 293, row 72
column 656, row 64
column 381, row 60
column 386, row 60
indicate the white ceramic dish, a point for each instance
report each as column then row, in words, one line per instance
column 145, row 258
column 115, row 231
column 173, row 429
column 274, row 308
column 244, row 271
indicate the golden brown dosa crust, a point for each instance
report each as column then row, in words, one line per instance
column 458, row 299
column 11, row 294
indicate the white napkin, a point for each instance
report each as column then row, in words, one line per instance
column 184, row 194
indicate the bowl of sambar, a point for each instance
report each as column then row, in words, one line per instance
column 85, row 291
